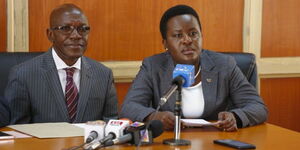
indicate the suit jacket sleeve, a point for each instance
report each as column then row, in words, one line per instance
column 247, row 104
column 137, row 104
column 4, row 113
column 110, row 108
column 18, row 98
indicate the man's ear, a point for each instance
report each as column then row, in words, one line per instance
column 50, row 35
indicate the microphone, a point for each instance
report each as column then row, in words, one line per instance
column 92, row 136
column 97, row 144
column 93, row 130
column 137, row 134
column 187, row 72
column 156, row 127
column 122, row 139
column 109, row 136
column 183, row 75
column 113, row 129
column 117, row 127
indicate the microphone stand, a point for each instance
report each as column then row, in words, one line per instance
column 177, row 112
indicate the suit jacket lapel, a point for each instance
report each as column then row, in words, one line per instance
column 209, row 79
column 51, row 75
column 165, row 74
column 85, row 86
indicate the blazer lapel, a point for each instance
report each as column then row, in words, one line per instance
column 55, row 88
column 165, row 74
column 209, row 79
column 85, row 86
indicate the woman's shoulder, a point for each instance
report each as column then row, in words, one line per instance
column 220, row 61
column 161, row 58
column 214, row 54
column 158, row 57
column 217, row 57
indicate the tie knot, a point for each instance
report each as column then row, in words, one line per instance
column 70, row 71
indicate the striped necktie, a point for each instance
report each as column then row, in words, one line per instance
column 71, row 94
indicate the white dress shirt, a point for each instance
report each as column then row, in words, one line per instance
column 192, row 101
column 61, row 65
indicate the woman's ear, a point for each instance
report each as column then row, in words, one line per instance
column 164, row 42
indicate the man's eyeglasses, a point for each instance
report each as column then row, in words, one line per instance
column 82, row 30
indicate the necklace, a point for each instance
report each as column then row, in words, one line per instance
column 197, row 72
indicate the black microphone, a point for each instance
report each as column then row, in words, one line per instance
column 109, row 136
column 177, row 81
column 97, row 144
column 122, row 139
column 137, row 135
column 156, row 127
column 113, row 129
column 183, row 75
column 92, row 136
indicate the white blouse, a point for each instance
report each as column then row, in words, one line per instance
column 192, row 101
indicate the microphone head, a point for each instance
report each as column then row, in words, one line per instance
column 156, row 127
column 93, row 135
column 116, row 126
column 179, row 80
column 186, row 72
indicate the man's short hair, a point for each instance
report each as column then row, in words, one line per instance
column 176, row 11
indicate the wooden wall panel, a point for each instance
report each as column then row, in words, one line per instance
column 122, row 89
column 282, row 96
column 280, row 28
column 129, row 29
column 3, row 28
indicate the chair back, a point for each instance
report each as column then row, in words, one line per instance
column 246, row 63
column 8, row 60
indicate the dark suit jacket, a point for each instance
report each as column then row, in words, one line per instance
column 4, row 112
column 35, row 94
column 224, row 88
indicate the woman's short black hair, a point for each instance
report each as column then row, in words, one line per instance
column 176, row 11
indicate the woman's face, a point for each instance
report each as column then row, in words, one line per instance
column 184, row 39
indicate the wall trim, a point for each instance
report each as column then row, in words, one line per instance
column 279, row 65
column 252, row 30
column 252, row 26
column 17, row 26
column 123, row 71
column 10, row 26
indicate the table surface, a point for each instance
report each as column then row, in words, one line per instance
column 264, row 137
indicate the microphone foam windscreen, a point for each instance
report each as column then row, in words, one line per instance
column 187, row 72
column 156, row 127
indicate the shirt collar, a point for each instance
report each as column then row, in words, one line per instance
column 60, row 64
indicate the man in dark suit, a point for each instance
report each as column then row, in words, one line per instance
column 4, row 112
column 62, row 85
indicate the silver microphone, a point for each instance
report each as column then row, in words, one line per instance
column 177, row 81
column 165, row 98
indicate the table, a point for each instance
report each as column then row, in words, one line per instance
column 265, row 137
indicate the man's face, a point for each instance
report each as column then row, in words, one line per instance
column 184, row 39
column 69, row 44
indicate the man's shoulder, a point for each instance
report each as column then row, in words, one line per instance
column 95, row 64
column 31, row 64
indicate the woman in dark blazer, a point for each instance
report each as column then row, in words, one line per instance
column 220, row 92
